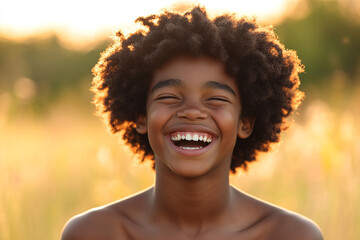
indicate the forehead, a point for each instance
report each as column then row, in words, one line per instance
column 193, row 70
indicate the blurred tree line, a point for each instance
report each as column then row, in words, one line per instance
column 52, row 69
column 327, row 39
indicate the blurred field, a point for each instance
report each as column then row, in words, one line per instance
column 58, row 160
column 57, row 166
column 61, row 164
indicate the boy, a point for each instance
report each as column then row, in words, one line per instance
column 201, row 98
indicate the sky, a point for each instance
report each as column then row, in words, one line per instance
column 78, row 19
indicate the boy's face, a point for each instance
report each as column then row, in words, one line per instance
column 193, row 117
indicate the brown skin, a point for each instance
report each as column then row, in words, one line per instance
column 192, row 198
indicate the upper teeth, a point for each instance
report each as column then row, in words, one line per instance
column 191, row 137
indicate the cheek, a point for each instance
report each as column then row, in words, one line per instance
column 156, row 120
column 228, row 124
column 227, row 119
column 157, row 116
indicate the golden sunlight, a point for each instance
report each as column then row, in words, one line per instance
column 89, row 19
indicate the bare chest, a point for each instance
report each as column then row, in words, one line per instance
column 132, row 232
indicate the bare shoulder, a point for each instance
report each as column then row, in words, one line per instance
column 269, row 221
column 102, row 223
column 290, row 225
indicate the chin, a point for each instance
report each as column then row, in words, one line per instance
column 190, row 169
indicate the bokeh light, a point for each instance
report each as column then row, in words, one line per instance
column 25, row 88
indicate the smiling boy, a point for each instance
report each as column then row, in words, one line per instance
column 201, row 98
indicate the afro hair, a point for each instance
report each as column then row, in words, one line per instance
column 265, row 72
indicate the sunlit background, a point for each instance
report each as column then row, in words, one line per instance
column 57, row 159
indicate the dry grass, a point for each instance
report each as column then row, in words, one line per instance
column 65, row 163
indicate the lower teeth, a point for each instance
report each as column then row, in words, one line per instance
column 191, row 148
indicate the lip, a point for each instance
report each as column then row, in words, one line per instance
column 191, row 128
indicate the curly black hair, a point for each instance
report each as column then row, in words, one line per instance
column 265, row 72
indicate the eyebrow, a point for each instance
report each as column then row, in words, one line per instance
column 167, row 83
column 177, row 82
column 217, row 85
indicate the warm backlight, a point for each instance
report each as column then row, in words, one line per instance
column 19, row 18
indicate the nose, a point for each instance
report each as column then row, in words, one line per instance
column 192, row 113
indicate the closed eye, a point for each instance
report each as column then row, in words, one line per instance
column 218, row 99
column 166, row 97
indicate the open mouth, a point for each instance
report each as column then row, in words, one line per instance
column 191, row 140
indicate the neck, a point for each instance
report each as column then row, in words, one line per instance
column 191, row 202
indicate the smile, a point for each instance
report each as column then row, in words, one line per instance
column 191, row 140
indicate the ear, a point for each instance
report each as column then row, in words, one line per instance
column 246, row 126
column 141, row 126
